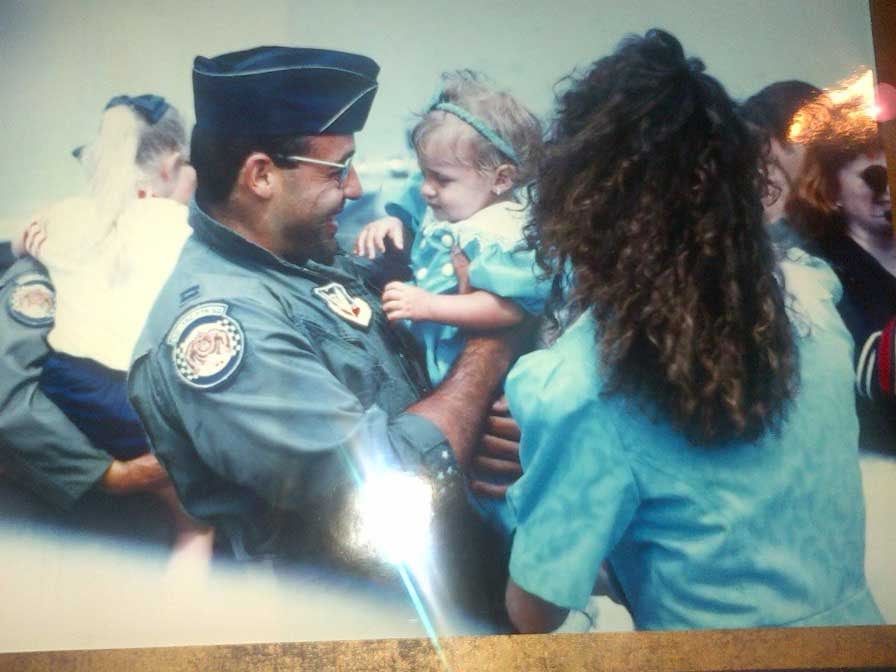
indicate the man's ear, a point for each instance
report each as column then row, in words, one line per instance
column 258, row 175
column 505, row 175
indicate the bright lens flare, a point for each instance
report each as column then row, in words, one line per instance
column 394, row 512
column 848, row 110
column 859, row 86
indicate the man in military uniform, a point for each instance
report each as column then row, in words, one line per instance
column 40, row 447
column 270, row 382
column 7, row 258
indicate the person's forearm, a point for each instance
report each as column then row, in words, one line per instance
column 477, row 310
column 529, row 613
column 460, row 404
column 141, row 474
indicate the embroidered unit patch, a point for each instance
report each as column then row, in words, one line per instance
column 356, row 311
column 32, row 301
column 206, row 345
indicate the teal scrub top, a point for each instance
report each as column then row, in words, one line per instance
column 767, row 533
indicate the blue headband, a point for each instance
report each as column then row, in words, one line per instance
column 478, row 125
column 149, row 106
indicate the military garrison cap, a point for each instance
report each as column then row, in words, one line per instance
column 284, row 91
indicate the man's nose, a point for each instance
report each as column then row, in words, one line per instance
column 352, row 187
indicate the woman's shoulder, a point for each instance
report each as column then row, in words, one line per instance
column 152, row 218
column 72, row 229
column 812, row 289
column 565, row 375
column 810, row 273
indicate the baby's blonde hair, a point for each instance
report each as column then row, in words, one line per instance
column 498, row 110
column 128, row 152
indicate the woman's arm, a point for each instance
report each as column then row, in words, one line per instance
column 529, row 613
column 477, row 310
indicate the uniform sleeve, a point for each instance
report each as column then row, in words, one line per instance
column 577, row 494
column 38, row 443
column 511, row 274
column 7, row 258
column 280, row 424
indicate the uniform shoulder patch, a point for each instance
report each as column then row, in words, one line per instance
column 32, row 301
column 207, row 345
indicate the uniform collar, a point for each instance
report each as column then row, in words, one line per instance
column 231, row 244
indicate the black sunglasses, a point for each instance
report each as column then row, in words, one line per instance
column 876, row 178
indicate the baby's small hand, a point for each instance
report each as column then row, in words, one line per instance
column 30, row 241
column 405, row 302
column 372, row 239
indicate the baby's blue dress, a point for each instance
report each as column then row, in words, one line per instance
column 492, row 239
column 769, row 533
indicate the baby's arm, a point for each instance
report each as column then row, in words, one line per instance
column 476, row 310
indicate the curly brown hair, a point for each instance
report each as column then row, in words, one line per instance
column 650, row 190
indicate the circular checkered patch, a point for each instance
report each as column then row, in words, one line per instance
column 32, row 301
column 208, row 350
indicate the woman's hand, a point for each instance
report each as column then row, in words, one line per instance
column 402, row 301
column 372, row 239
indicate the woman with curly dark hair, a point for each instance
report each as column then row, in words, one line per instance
column 694, row 425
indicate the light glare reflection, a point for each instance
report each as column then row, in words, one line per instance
column 849, row 109
column 394, row 513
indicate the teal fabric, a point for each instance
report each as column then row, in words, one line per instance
column 492, row 239
column 769, row 533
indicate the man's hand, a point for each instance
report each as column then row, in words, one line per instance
column 372, row 239
column 461, row 263
column 498, row 454
column 141, row 474
column 402, row 301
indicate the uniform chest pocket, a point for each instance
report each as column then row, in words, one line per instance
column 345, row 356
